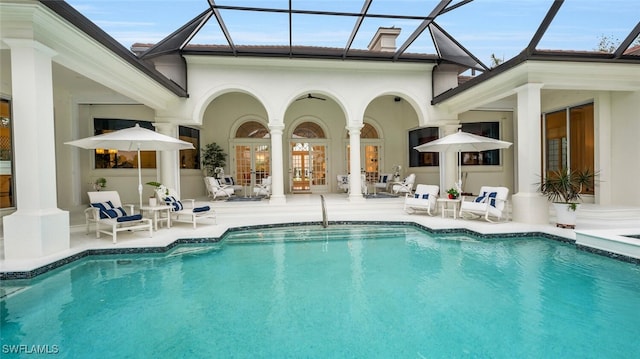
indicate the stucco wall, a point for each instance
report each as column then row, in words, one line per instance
column 625, row 148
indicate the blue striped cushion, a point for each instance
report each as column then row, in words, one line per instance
column 174, row 203
column 492, row 197
column 107, row 210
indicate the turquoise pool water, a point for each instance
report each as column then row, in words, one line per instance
column 353, row 291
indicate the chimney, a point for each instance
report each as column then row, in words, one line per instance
column 384, row 39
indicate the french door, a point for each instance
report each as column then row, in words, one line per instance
column 252, row 164
column 308, row 167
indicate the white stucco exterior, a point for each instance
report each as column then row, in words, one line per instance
column 46, row 63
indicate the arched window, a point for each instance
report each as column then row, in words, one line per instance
column 252, row 129
column 367, row 131
column 308, row 130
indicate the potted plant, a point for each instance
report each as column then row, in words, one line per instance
column 213, row 156
column 564, row 189
column 99, row 183
column 158, row 187
column 453, row 193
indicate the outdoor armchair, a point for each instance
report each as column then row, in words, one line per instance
column 383, row 181
column 264, row 188
column 216, row 189
column 491, row 204
column 424, row 199
column 184, row 210
column 406, row 186
column 109, row 217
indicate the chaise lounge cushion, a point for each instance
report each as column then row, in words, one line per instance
column 201, row 209
column 134, row 217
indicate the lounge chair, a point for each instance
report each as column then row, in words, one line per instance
column 215, row 189
column 424, row 199
column 230, row 181
column 185, row 210
column 491, row 203
column 343, row 183
column 264, row 188
column 406, row 186
column 383, row 181
column 109, row 216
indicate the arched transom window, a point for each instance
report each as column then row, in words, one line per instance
column 252, row 129
column 308, row 130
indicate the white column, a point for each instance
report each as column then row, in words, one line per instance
column 603, row 157
column 37, row 228
column 529, row 206
column 448, row 161
column 277, row 163
column 355, row 190
column 169, row 164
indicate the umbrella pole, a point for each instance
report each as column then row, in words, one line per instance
column 459, row 184
column 139, row 178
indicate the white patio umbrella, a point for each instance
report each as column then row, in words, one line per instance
column 462, row 142
column 133, row 139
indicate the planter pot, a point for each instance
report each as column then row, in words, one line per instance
column 153, row 201
column 452, row 196
column 565, row 216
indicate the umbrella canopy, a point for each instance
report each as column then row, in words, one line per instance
column 133, row 139
column 462, row 142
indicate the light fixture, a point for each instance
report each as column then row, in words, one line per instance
column 99, row 151
column 112, row 151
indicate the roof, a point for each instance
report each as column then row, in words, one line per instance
column 426, row 26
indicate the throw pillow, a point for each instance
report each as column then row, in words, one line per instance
column 107, row 210
column 174, row 203
column 425, row 196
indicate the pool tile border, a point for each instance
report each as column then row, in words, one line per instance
column 202, row 240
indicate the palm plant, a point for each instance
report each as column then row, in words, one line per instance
column 565, row 186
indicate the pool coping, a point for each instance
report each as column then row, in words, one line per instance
column 30, row 274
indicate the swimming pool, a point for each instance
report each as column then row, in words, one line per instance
column 345, row 291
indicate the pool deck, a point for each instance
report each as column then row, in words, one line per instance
column 305, row 208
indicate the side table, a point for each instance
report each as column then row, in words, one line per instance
column 444, row 206
column 154, row 212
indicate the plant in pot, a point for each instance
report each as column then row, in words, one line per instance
column 564, row 189
column 213, row 156
column 158, row 187
column 99, row 183
column 453, row 193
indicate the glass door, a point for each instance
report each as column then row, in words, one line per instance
column 308, row 167
column 252, row 164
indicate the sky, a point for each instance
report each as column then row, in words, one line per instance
column 484, row 27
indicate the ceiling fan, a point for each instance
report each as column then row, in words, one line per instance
column 311, row 97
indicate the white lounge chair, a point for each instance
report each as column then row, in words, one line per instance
column 109, row 216
column 215, row 189
column 185, row 210
column 424, row 199
column 230, row 181
column 383, row 181
column 406, row 186
column 343, row 183
column 491, row 203
column 264, row 188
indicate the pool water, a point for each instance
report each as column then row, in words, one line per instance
column 345, row 291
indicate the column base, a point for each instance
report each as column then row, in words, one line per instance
column 357, row 198
column 277, row 199
column 35, row 234
column 531, row 208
